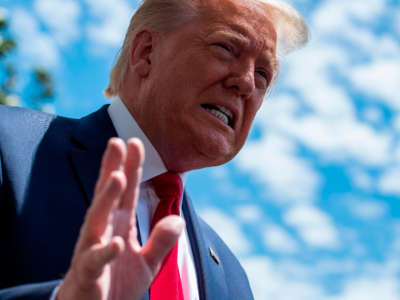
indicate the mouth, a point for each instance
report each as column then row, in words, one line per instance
column 221, row 112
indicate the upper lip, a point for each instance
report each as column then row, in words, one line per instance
column 234, row 111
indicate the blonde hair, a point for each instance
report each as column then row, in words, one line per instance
column 163, row 16
column 291, row 29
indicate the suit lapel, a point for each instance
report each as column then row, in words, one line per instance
column 88, row 144
column 210, row 274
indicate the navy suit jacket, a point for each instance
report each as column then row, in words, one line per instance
column 48, row 169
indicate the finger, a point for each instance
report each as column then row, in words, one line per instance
column 95, row 259
column 113, row 159
column 163, row 237
column 133, row 172
column 99, row 214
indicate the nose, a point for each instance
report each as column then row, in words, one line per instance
column 241, row 80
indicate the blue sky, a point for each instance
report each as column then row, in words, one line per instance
column 311, row 204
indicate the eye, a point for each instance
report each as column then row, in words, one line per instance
column 264, row 76
column 262, row 73
column 224, row 50
column 224, row 46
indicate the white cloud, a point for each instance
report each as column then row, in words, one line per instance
column 61, row 16
column 376, row 55
column 286, row 279
column 379, row 78
column 309, row 72
column 274, row 161
column 331, row 137
column 324, row 267
column 345, row 12
column 361, row 178
column 367, row 12
column 367, row 210
column 373, row 114
column 228, row 189
column 361, row 279
column 370, row 288
column 340, row 140
column 35, row 47
column 229, row 229
column 324, row 117
column 344, row 25
column 396, row 155
column 313, row 225
column 111, row 21
column 389, row 181
column 268, row 281
column 249, row 213
column 295, row 3
column 387, row 46
column 279, row 240
column 396, row 122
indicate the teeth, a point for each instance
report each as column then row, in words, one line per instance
column 225, row 111
column 221, row 112
column 222, row 116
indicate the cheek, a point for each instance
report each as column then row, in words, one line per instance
column 251, row 111
column 208, row 70
column 249, row 116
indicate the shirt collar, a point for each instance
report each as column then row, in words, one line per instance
column 126, row 127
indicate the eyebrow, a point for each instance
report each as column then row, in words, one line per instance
column 234, row 36
column 242, row 40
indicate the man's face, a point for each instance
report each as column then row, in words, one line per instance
column 207, row 81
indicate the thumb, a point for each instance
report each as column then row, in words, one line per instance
column 162, row 238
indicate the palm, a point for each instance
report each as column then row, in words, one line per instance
column 108, row 262
column 130, row 274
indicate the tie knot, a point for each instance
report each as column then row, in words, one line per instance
column 168, row 185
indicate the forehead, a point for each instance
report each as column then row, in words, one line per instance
column 244, row 17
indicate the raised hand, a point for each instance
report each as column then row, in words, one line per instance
column 108, row 262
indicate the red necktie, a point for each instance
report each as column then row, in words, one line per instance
column 167, row 284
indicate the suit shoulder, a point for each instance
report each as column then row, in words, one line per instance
column 22, row 130
column 17, row 120
column 20, row 123
column 15, row 111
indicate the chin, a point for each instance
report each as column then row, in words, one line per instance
column 215, row 156
column 202, row 149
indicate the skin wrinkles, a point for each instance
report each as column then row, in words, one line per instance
column 255, row 14
column 239, row 44
column 190, row 67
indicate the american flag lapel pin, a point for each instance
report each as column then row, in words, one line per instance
column 213, row 255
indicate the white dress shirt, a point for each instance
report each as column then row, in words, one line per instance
column 126, row 127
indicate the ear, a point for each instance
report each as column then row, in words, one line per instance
column 142, row 47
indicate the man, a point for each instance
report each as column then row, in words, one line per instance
column 191, row 76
